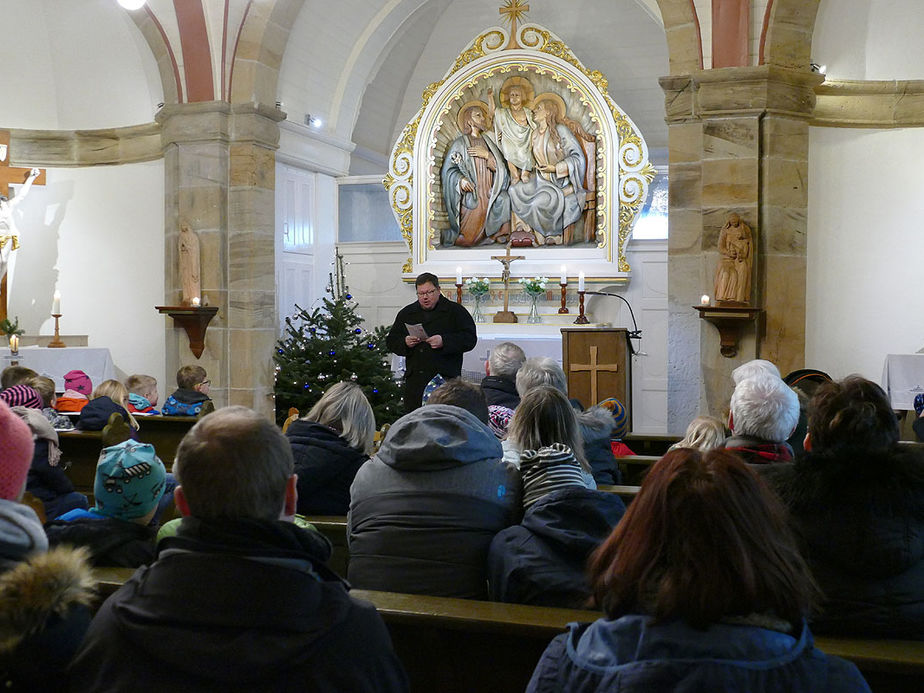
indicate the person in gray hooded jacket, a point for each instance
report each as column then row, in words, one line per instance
column 425, row 508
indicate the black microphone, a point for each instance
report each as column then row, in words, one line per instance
column 635, row 333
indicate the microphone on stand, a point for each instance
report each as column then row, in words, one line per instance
column 635, row 333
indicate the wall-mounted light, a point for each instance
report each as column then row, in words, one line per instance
column 313, row 121
column 820, row 69
column 132, row 4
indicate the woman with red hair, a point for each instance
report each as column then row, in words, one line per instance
column 703, row 589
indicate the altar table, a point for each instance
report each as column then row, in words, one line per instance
column 96, row 363
column 903, row 378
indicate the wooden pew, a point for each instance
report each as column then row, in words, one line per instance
column 642, row 444
column 465, row 645
column 627, row 493
column 334, row 527
column 634, row 467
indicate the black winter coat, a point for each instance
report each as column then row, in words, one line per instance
column 111, row 542
column 860, row 517
column 543, row 560
column 326, row 465
column 95, row 415
column 500, row 391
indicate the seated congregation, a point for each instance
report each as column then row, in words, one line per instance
column 736, row 548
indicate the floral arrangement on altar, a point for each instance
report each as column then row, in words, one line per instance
column 478, row 287
column 534, row 286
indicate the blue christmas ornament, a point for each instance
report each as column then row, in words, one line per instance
column 332, row 352
column 375, row 391
column 280, row 351
column 370, row 345
column 358, row 331
column 307, row 386
column 349, row 296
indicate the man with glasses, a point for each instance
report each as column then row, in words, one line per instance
column 449, row 333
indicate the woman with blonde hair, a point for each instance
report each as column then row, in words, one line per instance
column 330, row 444
column 702, row 588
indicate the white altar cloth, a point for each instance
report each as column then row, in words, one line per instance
column 903, row 378
column 96, row 363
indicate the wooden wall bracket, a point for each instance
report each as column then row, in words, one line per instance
column 730, row 321
column 195, row 320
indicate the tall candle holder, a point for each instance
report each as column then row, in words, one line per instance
column 564, row 294
column 581, row 319
column 56, row 342
column 458, row 292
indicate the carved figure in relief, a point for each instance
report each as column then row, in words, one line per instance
column 475, row 179
column 553, row 201
column 513, row 126
column 189, row 263
column 736, row 258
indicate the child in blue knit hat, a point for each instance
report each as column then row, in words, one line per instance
column 130, row 480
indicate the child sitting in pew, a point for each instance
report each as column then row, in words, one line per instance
column 130, row 481
column 191, row 394
column 109, row 398
column 46, row 479
column 16, row 375
column 142, row 394
column 45, row 386
column 77, row 391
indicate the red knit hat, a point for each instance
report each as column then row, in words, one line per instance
column 16, row 449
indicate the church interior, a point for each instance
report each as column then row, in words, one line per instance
column 252, row 122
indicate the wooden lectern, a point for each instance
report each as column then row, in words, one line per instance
column 598, row 365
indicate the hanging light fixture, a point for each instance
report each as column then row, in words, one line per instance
column 131, row 4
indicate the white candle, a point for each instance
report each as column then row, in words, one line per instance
column 458, row 275
column 56, row 304
column 704, row 300
column 14, row 343
column 195, row 301
column 581, row 281
column 564, row 274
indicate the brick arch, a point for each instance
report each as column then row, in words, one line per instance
column 786, row 39
column 259, row 49
column 684, row 41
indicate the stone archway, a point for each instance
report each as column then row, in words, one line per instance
column 786, row 40
column 684, row 42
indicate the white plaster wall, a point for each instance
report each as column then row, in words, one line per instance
column 97, row 235
column 865, row 248
column 74, row 65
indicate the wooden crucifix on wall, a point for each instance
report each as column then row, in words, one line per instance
column 9, row 239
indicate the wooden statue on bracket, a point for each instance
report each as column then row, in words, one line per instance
column 736, row 262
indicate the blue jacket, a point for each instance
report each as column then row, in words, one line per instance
column 542, row 560
column 184, row 403
column 629, row 655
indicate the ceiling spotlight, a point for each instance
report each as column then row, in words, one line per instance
column 131, row 4
column 313, row 121
column 820, row 69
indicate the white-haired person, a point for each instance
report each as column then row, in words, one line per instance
column 330, row 443
column 499, row 385
column 754, row 367
column 764, row 413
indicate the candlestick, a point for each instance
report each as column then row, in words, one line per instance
column 458, row 275
column 581, row 283
column 56, row 304
column 704, row 300
column 564, row 275
column 581, row 319
column 56, row 342
column 564, row 293
column 459, row 291
column 14, row 344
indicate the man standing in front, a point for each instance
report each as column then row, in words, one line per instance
column 240, row 598
column 449, row 333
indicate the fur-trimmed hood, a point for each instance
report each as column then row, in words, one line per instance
column 596, row 424
column 46, row 586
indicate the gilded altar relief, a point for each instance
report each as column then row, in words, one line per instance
column 519, row 144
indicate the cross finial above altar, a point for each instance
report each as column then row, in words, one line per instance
column 514, row 9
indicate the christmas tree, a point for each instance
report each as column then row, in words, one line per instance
column 327, row 345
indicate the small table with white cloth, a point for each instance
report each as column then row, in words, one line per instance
column 96, row 363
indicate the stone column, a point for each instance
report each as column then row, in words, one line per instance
column 738, row 142
column 219, row 179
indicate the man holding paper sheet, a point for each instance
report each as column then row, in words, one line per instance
column 432, row 334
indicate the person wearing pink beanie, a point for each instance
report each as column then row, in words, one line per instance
column 16, row 448
column 44, row 595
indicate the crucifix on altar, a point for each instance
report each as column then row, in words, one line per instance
column 506, row 315
column 9, row 239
